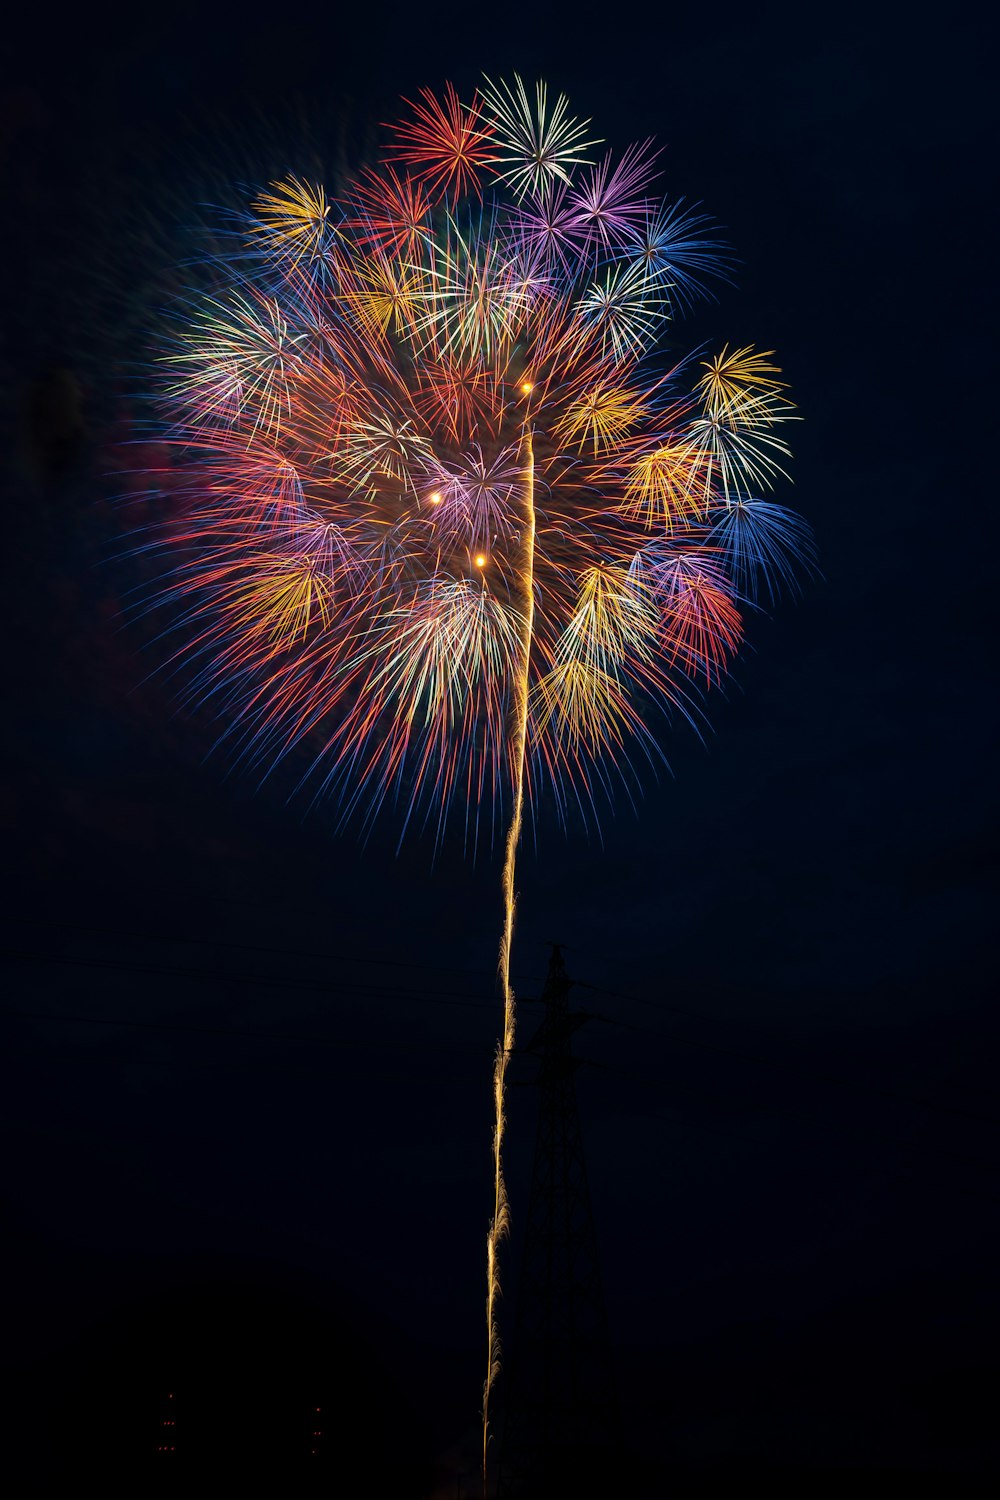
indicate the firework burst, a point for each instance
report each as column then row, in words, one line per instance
column 444, row 520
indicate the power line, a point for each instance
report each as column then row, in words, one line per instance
column 267, row 981
column 242, row 1065
column 982, row 1162
column 336, row 958
column 407, row 1046
column 231, row 1031
column 832, row 1080
column 467, row 1001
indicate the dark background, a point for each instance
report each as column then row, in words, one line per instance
column 247, row 1082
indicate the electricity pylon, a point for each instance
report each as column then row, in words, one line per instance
column 562, row 1434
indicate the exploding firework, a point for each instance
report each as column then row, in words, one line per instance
column 445, row 520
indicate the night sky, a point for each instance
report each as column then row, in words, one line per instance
column 246, row 1089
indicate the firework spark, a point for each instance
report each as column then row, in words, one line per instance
column 441, row 519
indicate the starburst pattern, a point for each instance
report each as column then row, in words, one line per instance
column 292, row 221
column 675, row 245
column 537, row 144
column 609, row 205
column 443, row 142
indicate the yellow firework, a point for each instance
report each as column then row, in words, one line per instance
column 666, row 489
column 731, row 378
column 285, row 601
column 292, row 219
column 600, row 417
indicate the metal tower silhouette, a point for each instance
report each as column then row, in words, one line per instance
column 562, row 1433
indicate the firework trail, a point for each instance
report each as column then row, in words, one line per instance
column 500, row 1222
column 442, row 520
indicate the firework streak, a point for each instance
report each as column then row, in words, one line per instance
column 442, row 519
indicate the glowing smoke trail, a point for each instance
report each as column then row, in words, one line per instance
column 500, row 1222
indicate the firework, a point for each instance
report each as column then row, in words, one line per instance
column 444, row 520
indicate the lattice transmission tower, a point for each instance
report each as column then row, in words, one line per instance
column 562, row 1434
